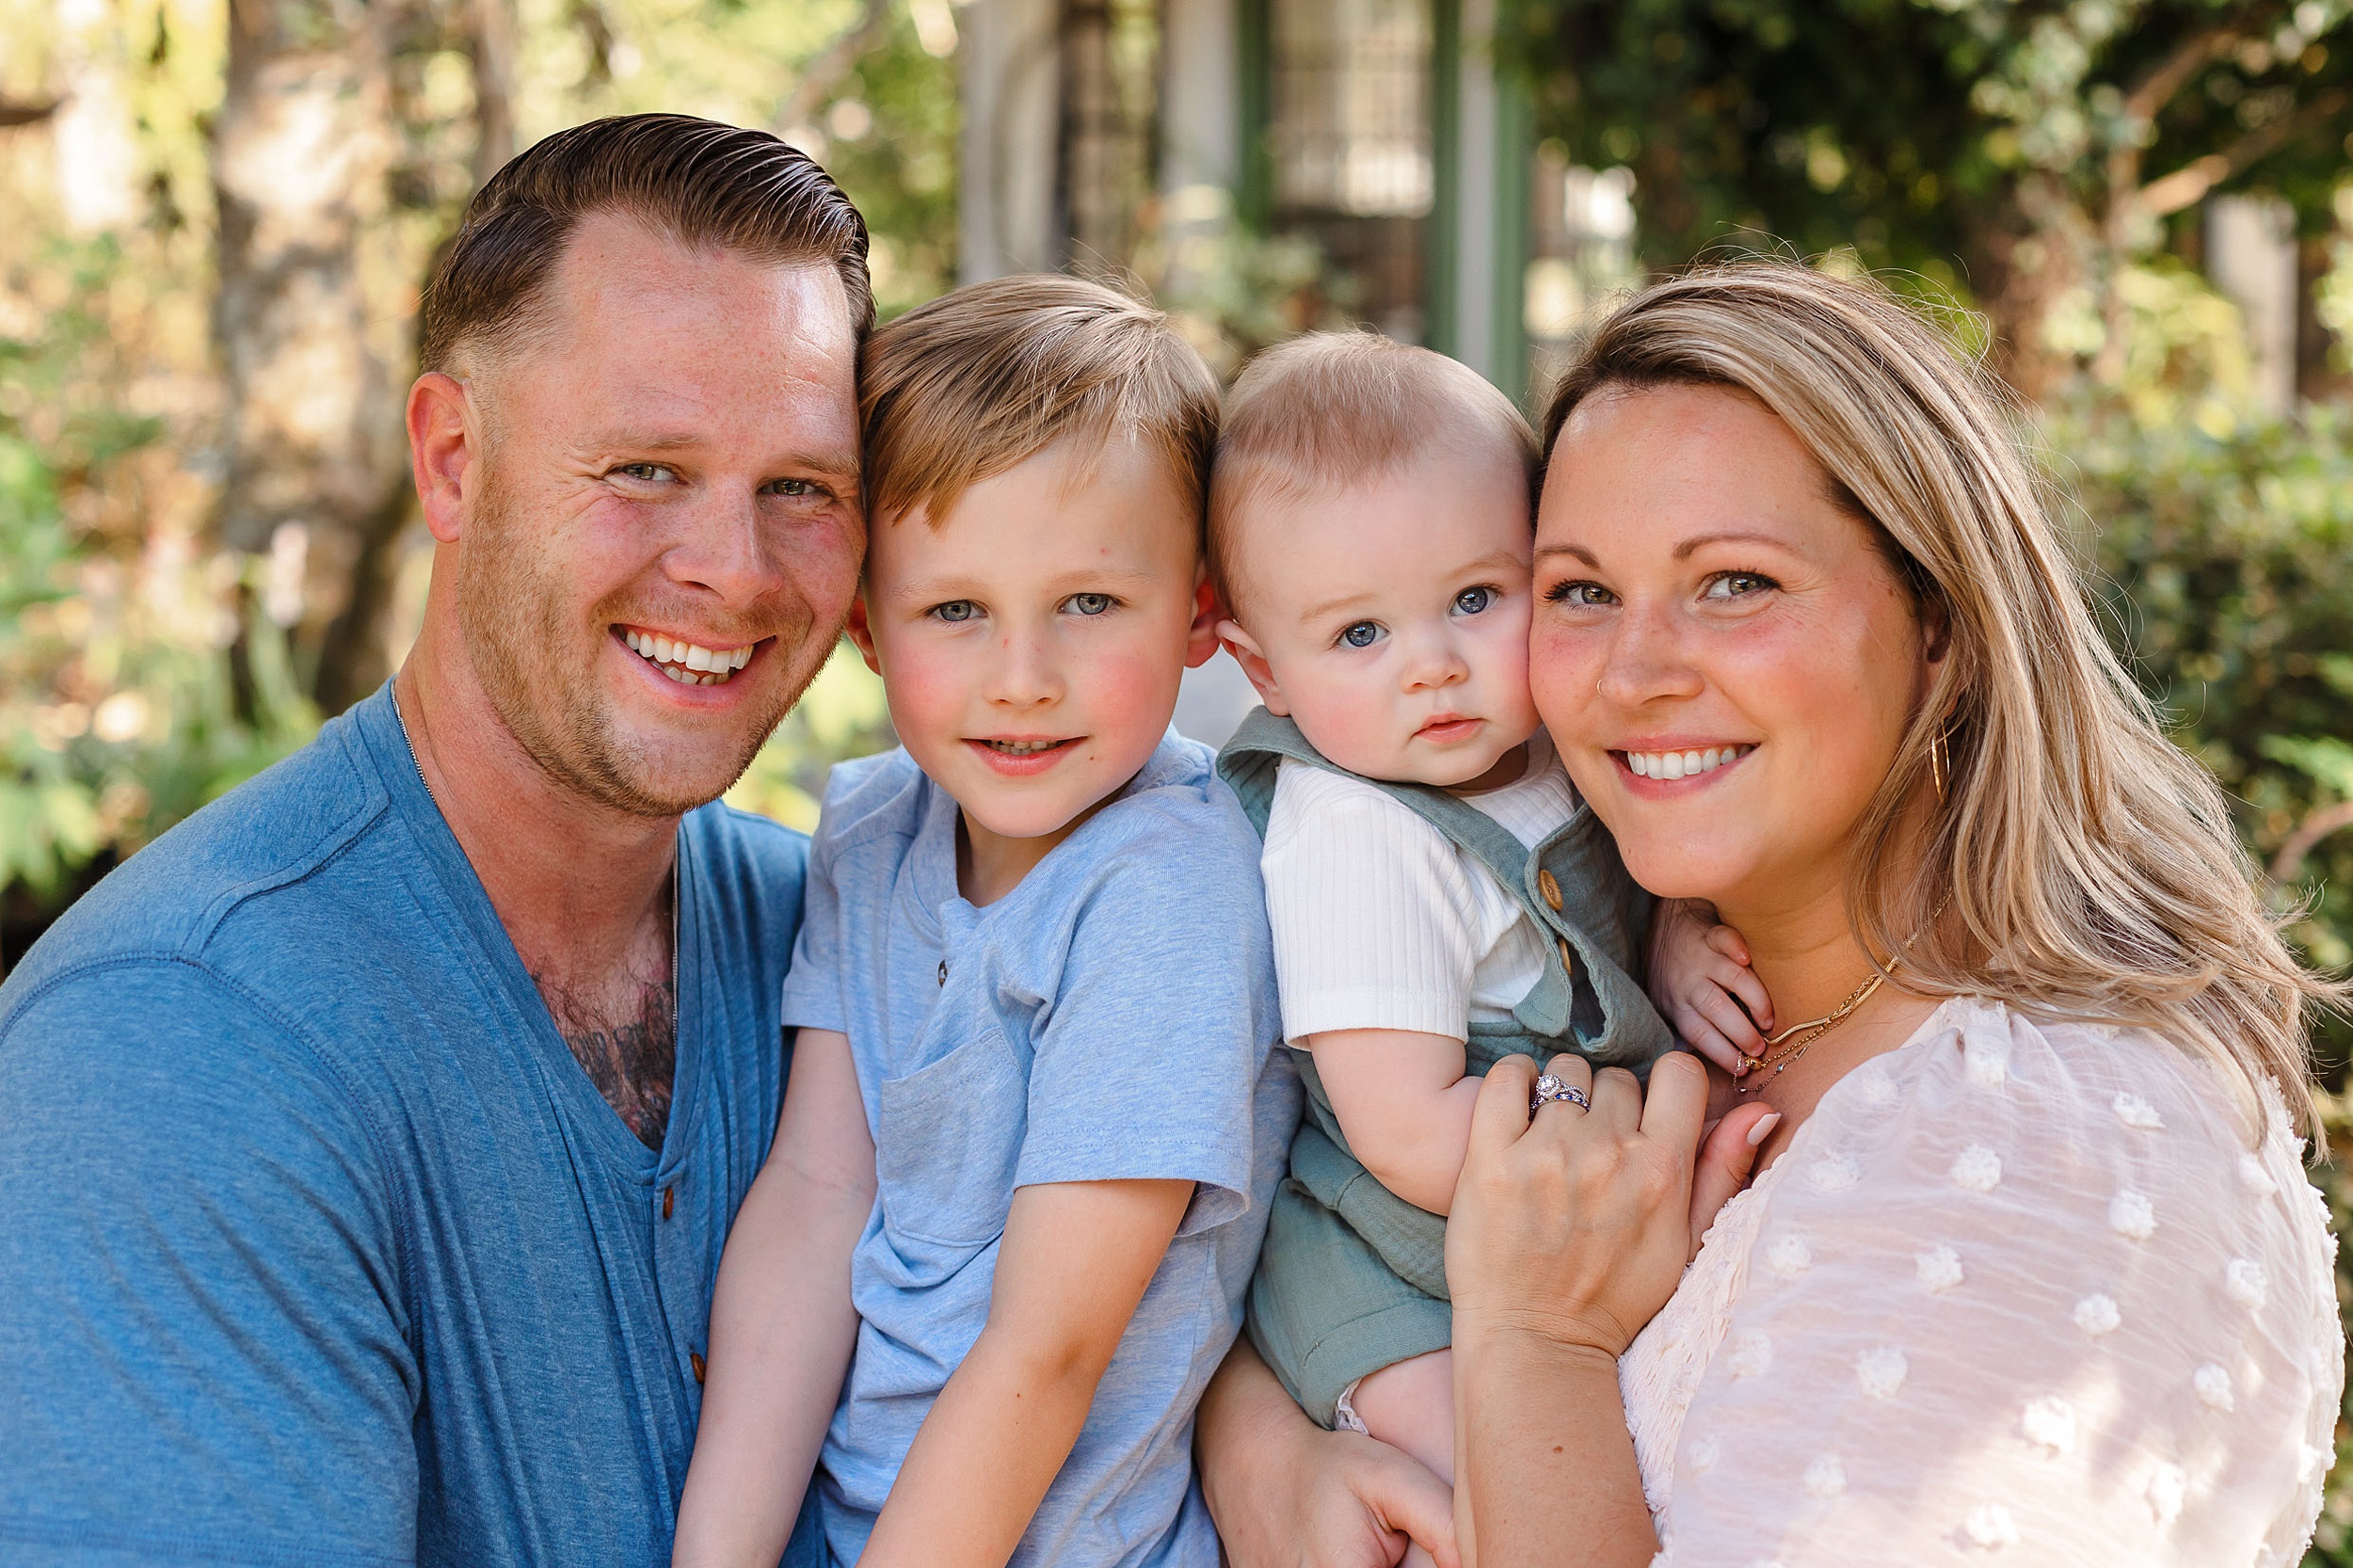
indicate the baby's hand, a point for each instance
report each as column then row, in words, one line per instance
column 1697, row 970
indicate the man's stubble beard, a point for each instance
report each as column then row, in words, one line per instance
column 511, row 610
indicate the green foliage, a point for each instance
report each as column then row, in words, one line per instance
column 117, row 712
column 1932, row 135
column 841, row 715
column 2223, row 554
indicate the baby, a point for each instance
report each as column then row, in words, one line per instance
column 1440, row 895
column 1036, row 1112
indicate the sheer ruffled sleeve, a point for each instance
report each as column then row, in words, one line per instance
column 2018, row 1293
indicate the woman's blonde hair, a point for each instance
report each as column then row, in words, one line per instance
column 2086, row 867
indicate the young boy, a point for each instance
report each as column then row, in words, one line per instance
column 1440, row 895
column 1035, row 1113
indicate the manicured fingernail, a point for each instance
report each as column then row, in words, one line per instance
column 1763, row 1127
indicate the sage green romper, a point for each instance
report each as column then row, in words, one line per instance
column 1352, row 1278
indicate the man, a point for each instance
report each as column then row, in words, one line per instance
column 370, row 1138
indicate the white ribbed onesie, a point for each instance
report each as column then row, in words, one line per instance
column 1381, row 923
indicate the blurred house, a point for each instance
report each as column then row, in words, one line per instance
column 1380, row 128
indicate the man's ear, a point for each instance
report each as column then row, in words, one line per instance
column 1253, row 665
column 1201, row 638
column 861, row 633
column 441, row 451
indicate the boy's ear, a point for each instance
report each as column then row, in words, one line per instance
column 861, row 635
column 1253, row 665
column 1201, row 638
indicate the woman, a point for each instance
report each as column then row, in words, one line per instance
column 2030, row 1266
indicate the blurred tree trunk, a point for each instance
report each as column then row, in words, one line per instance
column 316, row 467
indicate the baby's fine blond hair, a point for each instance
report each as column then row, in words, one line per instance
column 1330, row 411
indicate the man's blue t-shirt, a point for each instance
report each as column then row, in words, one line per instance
column 319, row 1248
column 1114, row 1017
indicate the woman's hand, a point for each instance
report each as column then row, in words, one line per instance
column 1286, row 1493
column 1574, row 1224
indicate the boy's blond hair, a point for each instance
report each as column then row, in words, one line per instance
column 1332, row 409
column 980, row 381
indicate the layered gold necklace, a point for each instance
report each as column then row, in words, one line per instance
column 1799, row 1036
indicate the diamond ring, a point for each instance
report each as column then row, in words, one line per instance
column 1550, row 1088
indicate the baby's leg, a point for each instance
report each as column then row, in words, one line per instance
column 1411, row 1406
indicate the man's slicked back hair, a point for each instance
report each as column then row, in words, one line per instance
column 701, row 182
column 981, row 381
column 1329, row 411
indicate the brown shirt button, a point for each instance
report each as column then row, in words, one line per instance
column 669, row 1201
column 1550, row 888
column 696, row 1361
column 1568, row 959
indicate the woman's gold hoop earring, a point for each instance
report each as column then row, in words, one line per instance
column 1940, row 764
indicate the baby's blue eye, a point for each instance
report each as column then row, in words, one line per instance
column 955, row 610
column 1090, row 604
column 1363, row 634
column 1471, row 600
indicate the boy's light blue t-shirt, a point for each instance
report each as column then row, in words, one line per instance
column 1112, row 1017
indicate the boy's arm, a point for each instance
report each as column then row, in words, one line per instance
column 1075, row 1260
column 782, row 1327
column 1404, row 1104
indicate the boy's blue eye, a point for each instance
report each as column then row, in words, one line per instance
column 1090, row 604
column 1363, row 634
column 1471, row 600
column 955, row 610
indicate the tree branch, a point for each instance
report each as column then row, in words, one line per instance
column 2308, row 832
column 2153, row 91
column 15, row 112
column 824, row 73
column 2189, row 185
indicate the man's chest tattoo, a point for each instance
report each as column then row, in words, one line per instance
column 631, row 1062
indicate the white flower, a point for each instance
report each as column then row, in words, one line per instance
column 1752, row 1353
column 2165, row 1488
column 1978, row 1169
column 1703, row 1454
column 2244, row 1279
column 2252, row 1176
column 1834, row 1173
column 1825, row 1477
column 1940, row 1268
column 2049, row 1423
column 2097, row 1315
column 1882, row 1371
column 2137, row 1113
column 1990, row 1526
column 2213, row 1383
column 2133, row 1215
column 1789, row 1256
column 1987, row 1058
column 1877, row 1088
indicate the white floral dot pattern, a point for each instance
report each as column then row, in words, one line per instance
column 2049, row 1424
column 2074, row 1313
column 2132, row 1215
column 1789, row 1256
column 2097, row 1315
column 1834, row 1173
column 1978, row 1169
column 1881, row 1373
column 1990, row 1527
column 1938, row 1268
